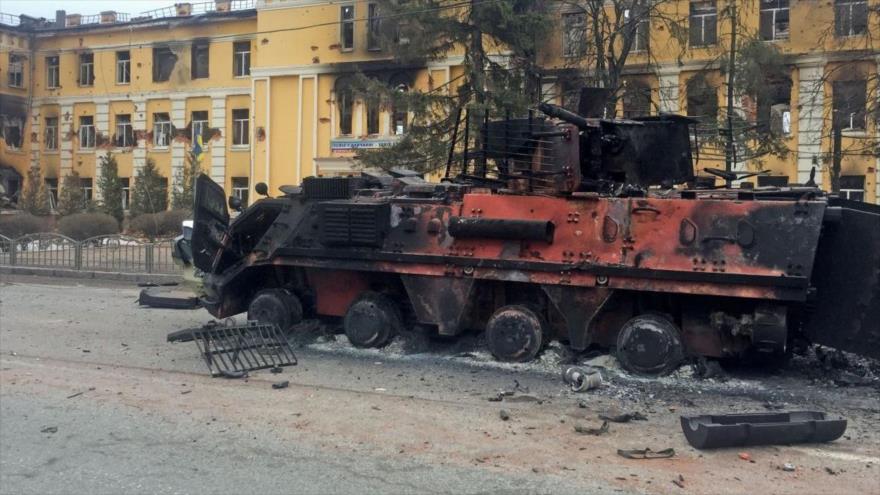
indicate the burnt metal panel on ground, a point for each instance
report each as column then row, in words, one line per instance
column 739, row 430
column 846, row 275
column 233, row 350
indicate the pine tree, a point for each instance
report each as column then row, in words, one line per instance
column 111, row 188
column 35, row 197
column 183, row 195
column 150, row 191
column 72, row 197
column 421, row 31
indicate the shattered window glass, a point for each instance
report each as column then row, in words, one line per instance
column 161, row 130
column 200, row 60
column 50, row 133
column 163, row 63
column 347, row 27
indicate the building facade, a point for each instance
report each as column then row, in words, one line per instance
column 265, row 84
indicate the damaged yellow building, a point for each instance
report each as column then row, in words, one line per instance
column 265, row 83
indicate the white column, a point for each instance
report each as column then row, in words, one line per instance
column 139, row 124
column 178, row 147
column 102, row 128
column 35, row 130
column 218, row 145
column 668, row 90
column 66, row 123
column 811, row 99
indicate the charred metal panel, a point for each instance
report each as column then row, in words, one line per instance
column 846, row 313
column 440, row 301
column 331, row 187
column 579, row 306
column 335, row 290
column 738, row 430
column 353, row 224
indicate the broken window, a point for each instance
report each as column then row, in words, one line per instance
column 374, row 27
column 16, row 71
column 852, row 187
column 123, row 67
column 12, row 133
column 86, row 132
column 345, row 104
column 53, row 72
column 163, row 63
column 50, row 134
column 399, row 111
column 240, row 188
column 850, row 17
column 641, row 33
column 200, row 60
column 198, row 125
column 372, row 116
column 86, row 69
column 702, row 100
column 124, row 131
column 241, row 58
column 240, row 127
column 161, row 130
column 86, row 185
column 52, row 189
column 126, row 192
column 774, row 19
column 850, row 104
column 636, row 99
column 774, row 108
column 574, row 33
column 703, row 23
column 772, row 180
column 346, row 28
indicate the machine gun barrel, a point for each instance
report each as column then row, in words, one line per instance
column 563, row 114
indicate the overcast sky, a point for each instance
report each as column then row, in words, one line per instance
column 47, row 8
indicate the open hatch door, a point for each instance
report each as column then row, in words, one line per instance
column 210, row 223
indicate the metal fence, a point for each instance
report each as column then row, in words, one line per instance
column 108, row 253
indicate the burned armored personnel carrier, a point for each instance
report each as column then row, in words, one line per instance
column 585, row 230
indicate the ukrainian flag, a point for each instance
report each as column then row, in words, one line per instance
column 198, row 148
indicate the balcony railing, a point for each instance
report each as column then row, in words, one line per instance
column 198, row 8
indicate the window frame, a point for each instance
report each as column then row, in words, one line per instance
column 346, row 24
column 53, row 70
column 242, row 126
column 159, row 129
column 850, row 19
column 126, row 134
column 344, row 99
column 158, row 53
column 46, row 134
column 126, row 192
column 202, row 124
column 772, row 12
column 837, row 87
column 846, row 191
column 51, row 184
column 123, row 68
column 196, row 48
column 86, row 133
column 642, row 39
column 241, row 59
column 242, row 192
column 15, row 71
column 703, row 17
column 17, row 123
column 374, row 28
column 87, row 184
column 89, row 68
column 571, row 47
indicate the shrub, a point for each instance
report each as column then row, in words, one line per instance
column 19, row 224
column 111, row 187
column 150, row 191
column 35, row 197
column 81, row 226
column 162, row 224
column 72, row 199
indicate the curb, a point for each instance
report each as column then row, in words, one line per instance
column 157, row 278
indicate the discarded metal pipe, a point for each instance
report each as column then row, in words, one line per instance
column 582, row 379
column 497, row 228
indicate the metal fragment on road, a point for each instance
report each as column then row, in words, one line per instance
column 586, row 430
column 646, row 453
column 735, row 430
column 233, row 350
column 581, row 378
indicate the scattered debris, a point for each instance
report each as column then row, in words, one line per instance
column 185, row 392
column 582, row 404
column 280, row 385
column 232, row 350
column 733, row 430
column 584, row 430
column 162, row 297
column 624, row 418
column 581, row 378
column 49, row 429
column 276, row 370
column 80, row 393
column 504, row 415
column 745, row 456
column 789, row 467
column 709, row 369
column 606, row 361
column 679, row 482
column 830, row 471
column 646, row 453
column 524, row 398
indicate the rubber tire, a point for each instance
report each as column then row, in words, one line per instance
column 276, row 306
column 515, row 334
column 372, row 320
column 664, row 333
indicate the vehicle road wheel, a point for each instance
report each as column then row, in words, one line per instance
column 515, row 334
column 276, row 306
column 650, row 344
column 372, row 320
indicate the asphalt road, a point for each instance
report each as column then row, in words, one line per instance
column 93, row 400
